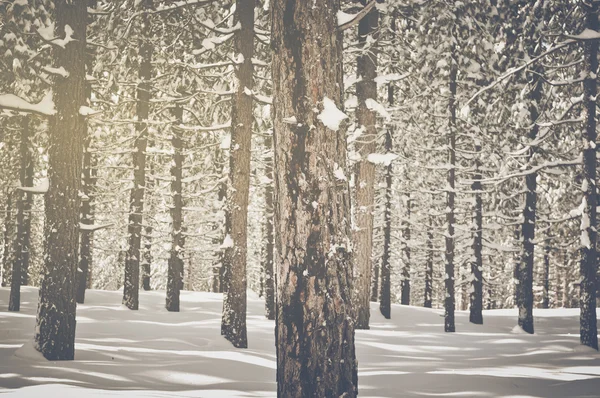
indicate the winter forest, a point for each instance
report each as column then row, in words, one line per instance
column 299, row 198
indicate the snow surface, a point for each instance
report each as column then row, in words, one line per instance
column 154, row 353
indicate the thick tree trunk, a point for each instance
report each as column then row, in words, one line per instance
column 55, row 323
column 233, row 325
column 429, row 268
column 546, row 275
column 134, row 229
column 315, row 320
column 449, row 300
column 476, row 291
column 589, row 256
column 366, row 92
column 8, row 230
column 405, row 281
column 269, row 236
column 87, row 218
column 21, row 251
column 175, row 272
column 385, row 299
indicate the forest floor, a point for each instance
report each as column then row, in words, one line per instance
column 154, row 353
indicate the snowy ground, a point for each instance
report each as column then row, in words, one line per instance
column 153, row 353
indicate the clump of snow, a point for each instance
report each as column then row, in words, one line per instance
column 14, row 103
column 331, row 116
column 377, row 107
column 343, row 18
column 382, row 158
column 41, row 188
column 87, row 111
column 339, row 173
column 227, row 242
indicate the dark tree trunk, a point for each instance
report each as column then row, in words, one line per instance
column 429, row 268
column 589, row 257
column 315, row 320
column 55, row 323
column 148, row 229
column 405, row 282
column 476, row 291
column 87, row 218
column 218, row 265
column 385, row 299
column 134, row 229
column 269, row 236
column 546, row 276
column 21, row 251
column 366, row 91
column 175, row 272
column 233, row 325
column 375, row 281
column 449, row 300
column 8, row 230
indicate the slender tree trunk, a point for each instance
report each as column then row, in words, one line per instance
column 136, row 210
column 8, row 230
column 476, row 295
column 87, row 218
column 269, row 236
column 21, row 251
column 375, row 281
column 589, row 256
column 405, row 282
column 233, row 325
column 386, row 266
column 55, row 323
column 148, row 229
column 218, row 265
column 449, row 301
column 546, row 276
column 315, row 319
column 366, row 92
column 429, row 268
column 175, row 272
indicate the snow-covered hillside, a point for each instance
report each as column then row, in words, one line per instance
column 154, row 353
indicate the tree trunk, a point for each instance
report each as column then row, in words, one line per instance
column 134, row 229
column 476, row 291
column 175, row 272
column 269, row 236
column 55, row 323
column 375, row 281
column 87, row 218
column 233, row 325
column 589, row 257
column 366, row 92
column 449, row 300
column 315, row 320
column 8, row 230
column 385, row 299
column 546, row 276
column 405, row 281
column 148, row 229
column 429, row 267
column 21, row 251
column 218, row 265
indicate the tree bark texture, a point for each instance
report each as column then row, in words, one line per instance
column 476, row 290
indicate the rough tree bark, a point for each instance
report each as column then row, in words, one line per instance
column 24, row 199
column 546, row 275
column 136, row 210
column 55, row 324
column 428, row 296
column 449, row 300
column 175, row 271
column 269, row 236
column 218, row 266
column 315, row 320
column 385, row 299
column 366, row 92
column 589, row 256
column 405, row 281
column 476, row 291
column 87, row 218
column 233, row 325
column 8, row 228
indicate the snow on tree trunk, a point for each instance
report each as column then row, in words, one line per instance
column 55, row 324
column 366, row 118
column 24, row 199
column 175, row 271
column 315, row 320
column 136, row 210
column 449, row 299
column 405, row 281
column 269, row 237
column 476, row 291
column 386, row 266
column 87, row 218
column 233, row 325
column 589, row 256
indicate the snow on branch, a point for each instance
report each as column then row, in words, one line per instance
column 92, row 228
column 45, row 107
column 166, row 8
column 346, row 21
column 39, row 189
